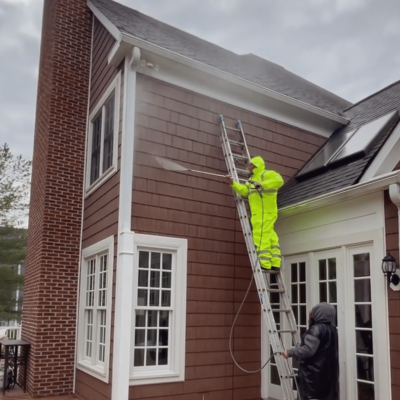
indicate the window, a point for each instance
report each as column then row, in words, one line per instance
column 103, row 138
column 95, row 309
column 158, row 339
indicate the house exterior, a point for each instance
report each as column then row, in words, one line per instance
column 134, row 274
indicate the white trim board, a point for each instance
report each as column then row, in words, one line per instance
column 115, row 32
column 387, row 158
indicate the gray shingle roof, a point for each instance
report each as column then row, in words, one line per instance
column 372, row 107
column 249, row 66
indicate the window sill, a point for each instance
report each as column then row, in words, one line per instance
column 93, row 370
column 106, row 176
column 154, row 377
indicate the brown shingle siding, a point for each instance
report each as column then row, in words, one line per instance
column 183, row 127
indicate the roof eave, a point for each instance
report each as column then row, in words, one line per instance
column 379, row 183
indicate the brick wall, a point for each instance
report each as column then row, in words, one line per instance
column 183, row 126
column 49, row 312
column 392, row 246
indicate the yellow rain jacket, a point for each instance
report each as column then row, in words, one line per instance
column 264, row 211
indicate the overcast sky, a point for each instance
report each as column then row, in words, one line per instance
column 350, row 47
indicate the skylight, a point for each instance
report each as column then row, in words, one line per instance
column 330, row 149
column 346, row 146
column 360, row 142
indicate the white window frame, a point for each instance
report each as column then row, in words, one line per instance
column 99, row 370
column 115, row 87
column 175, row 370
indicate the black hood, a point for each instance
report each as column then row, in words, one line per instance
column 324, row 313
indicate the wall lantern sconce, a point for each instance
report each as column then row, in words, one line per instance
column 391, row 272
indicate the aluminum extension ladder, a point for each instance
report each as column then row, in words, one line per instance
column 268, row 284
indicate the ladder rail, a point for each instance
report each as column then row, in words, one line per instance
column 262, row 283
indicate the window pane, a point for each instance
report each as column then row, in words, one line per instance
column 361, row 265
column 96, row 147
column 140, row 318
column 167, row 261
column 163, row 340
column 143, row 259
column 365, row 391
column 142, row 297
column 303, row 315
column 152, row 337
column 164, row 318
column 162, row 356
column 139, row 337
column 302, row 268
column 332, row 292
column 275, row 375
column 332, row 268
column 365, row 368
column 302, row 293
column 152, row 318
column 294, row 294
column 362, row 290
column 323, row 296
column 139, row 358
column 364, row 344
column 155, row 260
column 151, row 357
column 322, row 270
column 108, row 135
column 294, row 273
column 155, row 279
column 363, row 316
column 296, row 314
column 166, row 279
column 143, row 280
column 166, row 298
column 154, row 298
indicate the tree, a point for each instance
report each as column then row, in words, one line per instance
column 15, row 173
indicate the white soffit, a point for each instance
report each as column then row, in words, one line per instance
column 387, row 158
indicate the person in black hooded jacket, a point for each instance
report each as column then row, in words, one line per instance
column 318, row 356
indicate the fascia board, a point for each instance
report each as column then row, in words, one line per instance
column 114, row 31
column 360, row 189
column 143, row 44
column 387, row 158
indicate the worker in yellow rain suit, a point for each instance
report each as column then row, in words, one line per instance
column 261, row 190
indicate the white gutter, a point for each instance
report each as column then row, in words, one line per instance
column 394, row 193
column 360, row 189
column 143, row 44
column 123, row 39
column 125, row 257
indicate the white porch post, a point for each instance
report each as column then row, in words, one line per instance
column 125, row 256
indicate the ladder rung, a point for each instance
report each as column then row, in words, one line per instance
column 285, row 310
column 232, row 129
column 242, row 171
column 270, row 271
column 236, row 143
column 287, row 331
column 276, row 290
column 239, row 156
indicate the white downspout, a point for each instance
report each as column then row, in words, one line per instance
column 125, row 255
column 394, row 193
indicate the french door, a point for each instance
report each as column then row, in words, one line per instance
column 344, row 277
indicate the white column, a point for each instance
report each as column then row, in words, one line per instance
column 125, row 256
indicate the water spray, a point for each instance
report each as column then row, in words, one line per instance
column 175, row 167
